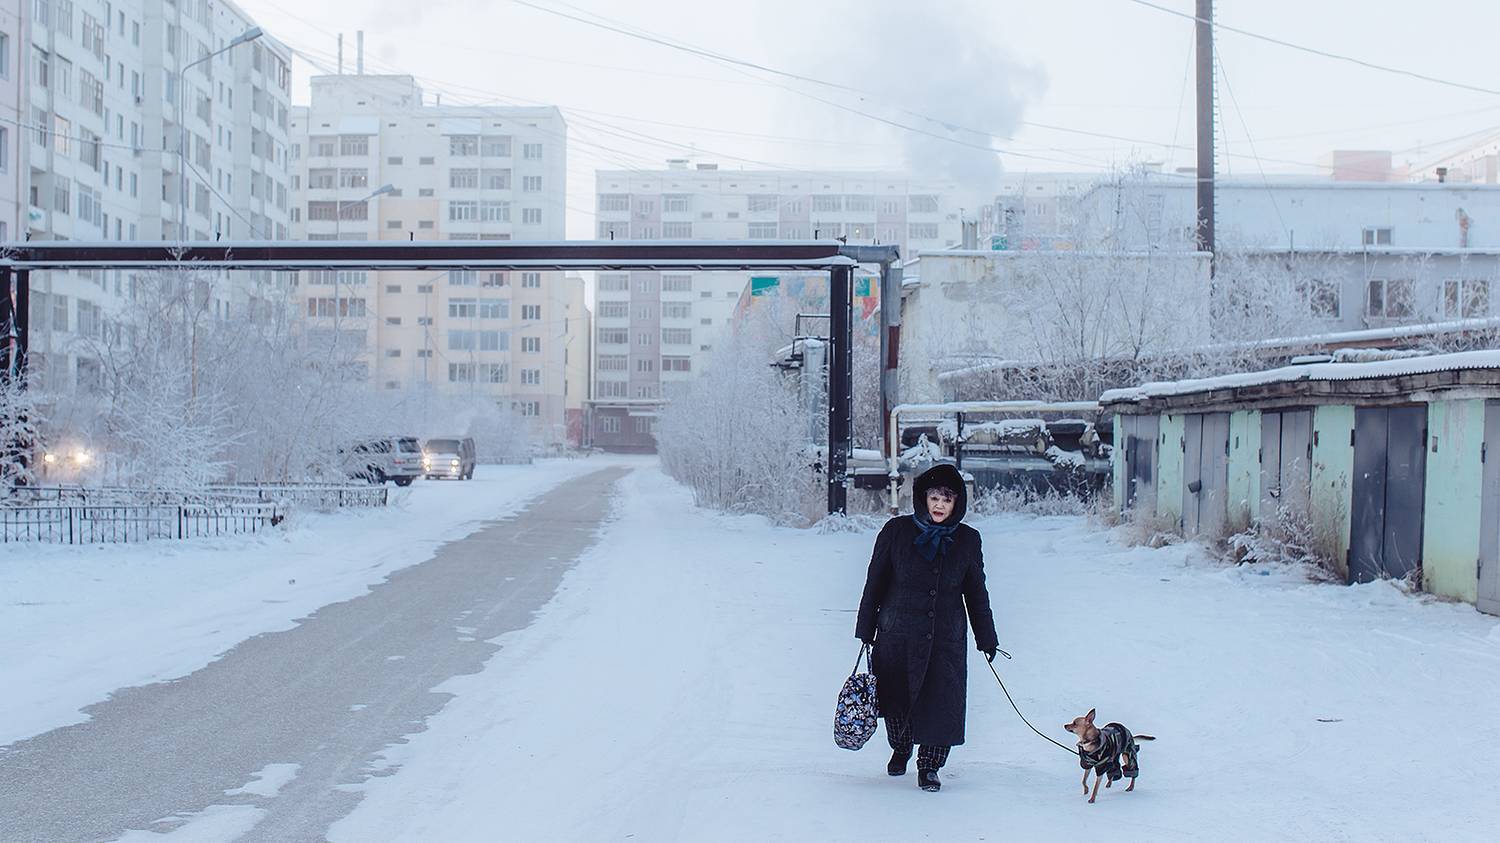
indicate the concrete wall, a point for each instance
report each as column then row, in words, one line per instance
column 1450, row 537
column 1332, row 483
column 1244, row 469
column 1169, row 468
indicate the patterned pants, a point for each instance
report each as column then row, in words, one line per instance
column 898, row 732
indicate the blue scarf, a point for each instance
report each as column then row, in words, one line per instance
column 933, row 538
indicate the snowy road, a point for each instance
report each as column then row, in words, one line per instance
column 259, row 744
column 679, row 685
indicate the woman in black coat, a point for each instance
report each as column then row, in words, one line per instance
column 926, row 570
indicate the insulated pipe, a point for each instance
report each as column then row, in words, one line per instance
column 959, row 407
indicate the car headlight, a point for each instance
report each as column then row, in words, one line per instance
column 82, row 457
column 49, row 458
column 453, row 462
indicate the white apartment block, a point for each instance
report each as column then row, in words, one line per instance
column 99, row 86
column 453, row 173
column 653, row 329
column 12, row 118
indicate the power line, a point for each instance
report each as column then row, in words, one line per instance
column 1315, row 51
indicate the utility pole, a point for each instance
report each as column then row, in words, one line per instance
column 1205, row 171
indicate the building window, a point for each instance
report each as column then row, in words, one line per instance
column 922, row 204
column 1391, row 299
column 463, row 308
column 827, row 204
column 1466, row 299
column 393, row 320
column 497, row 147
column 677, row 230
column 496, row 179
column 1323, row 299
column 614, row 336
column 611, row 283
column 677, row 310
column 677, row 364
column 354, row 145
column 354, row 177
column 609, row 424
column 531, row 345
column 643, row 339
column 762, row 231
column 762, row 203
column 531, row 280
column 494, row 372
column 676, row 203
column 677, row 336
column 462, row 341
column 463, row 145
column 531, row 216
column 461, row 372
column 531, row 151
column 531, row 184
column 463, row 277
column 613, row 389
column 677, row 283
column 394, row 160
column 494, row 340
column 1376, row 237
column 491, row 210
column 531, row 377
column 922, row 231
column 463, row 211
column 531, row 313
column 463, row 179
column 613, row 363
column 613, row 310
column 614, row 202
column 494, row 309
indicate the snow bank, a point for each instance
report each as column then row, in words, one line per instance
column 681, row 687
column 77, row 623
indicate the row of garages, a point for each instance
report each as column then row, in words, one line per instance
column 1389, row 463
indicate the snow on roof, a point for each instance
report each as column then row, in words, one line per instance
column 1488, row 359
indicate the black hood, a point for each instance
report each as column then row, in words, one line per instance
column 941, row 474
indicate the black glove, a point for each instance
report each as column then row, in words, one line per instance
column 989, row 655
column 868, row 642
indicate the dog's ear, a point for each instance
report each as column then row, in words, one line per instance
column 1089, row 717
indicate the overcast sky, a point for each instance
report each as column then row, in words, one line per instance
column 939, row 70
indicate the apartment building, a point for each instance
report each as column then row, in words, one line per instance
column 100, row 87
column 654, row 329
column 373, row 160
column 12, row 118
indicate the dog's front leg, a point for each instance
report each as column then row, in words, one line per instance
column 1132, row 783
column 1097, row 777
column 1085, row 781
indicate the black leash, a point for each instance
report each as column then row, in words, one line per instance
column 1068, row 749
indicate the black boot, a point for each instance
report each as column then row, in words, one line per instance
column 897, row 765
column 928, row 781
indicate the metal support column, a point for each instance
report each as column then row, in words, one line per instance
column 890, row 343
column 840, row 383
column 9, row 358
column 1206, row 116
column 22, row 320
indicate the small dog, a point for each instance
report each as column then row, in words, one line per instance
column 1110, row 751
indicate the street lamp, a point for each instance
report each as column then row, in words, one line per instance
column 338, row 213
column 248, row 35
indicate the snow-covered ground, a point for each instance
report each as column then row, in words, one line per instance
column 681, row 687
column 79, row 622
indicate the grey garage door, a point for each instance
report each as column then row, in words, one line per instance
column 1285, row 462
column 1205, row 474
column 1390, row 463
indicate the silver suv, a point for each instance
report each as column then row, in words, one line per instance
column 450, row 456
column 395, row 458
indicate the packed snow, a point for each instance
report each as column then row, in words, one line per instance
column 78, row 622
column 681, row 687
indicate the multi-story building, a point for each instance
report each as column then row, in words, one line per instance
column 12, row 117
column 101, row 87
column 372, row 160
column 653, row 329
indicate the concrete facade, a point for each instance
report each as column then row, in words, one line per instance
column 98, row 160
column 966, row 308
column 518, row 338
column 657, row 329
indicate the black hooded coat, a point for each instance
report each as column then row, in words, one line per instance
column 914, row 610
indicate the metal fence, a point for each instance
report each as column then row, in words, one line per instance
column 113, row 514
column 96, row 524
